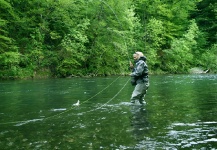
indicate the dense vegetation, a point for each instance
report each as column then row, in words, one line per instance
column 54, row 38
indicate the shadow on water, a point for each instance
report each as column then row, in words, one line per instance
column 140, row 125
column 180, row 114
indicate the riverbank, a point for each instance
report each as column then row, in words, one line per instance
column 46, row 74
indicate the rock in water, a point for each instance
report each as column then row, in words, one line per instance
column 197, row 70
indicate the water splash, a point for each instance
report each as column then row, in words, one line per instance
column 27, row 121
column 59, row 109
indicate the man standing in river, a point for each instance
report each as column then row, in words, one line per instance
column 139, row 76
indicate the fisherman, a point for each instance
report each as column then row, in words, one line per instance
column 139, row 78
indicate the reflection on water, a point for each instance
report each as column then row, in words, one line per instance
column 180, row 114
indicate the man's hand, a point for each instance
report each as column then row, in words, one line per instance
column 131, row 65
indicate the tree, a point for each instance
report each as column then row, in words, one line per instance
column 6, row 42
column 206, row 17
column 98, row 37
column 209, row 59
column 179, row 58
column 163, row 22
column 110, row 36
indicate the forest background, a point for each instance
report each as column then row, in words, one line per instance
column 62, row 38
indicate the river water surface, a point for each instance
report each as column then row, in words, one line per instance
column 180, row 113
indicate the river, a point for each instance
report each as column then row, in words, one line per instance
column 180, row 113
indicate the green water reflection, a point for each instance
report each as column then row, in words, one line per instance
column 39, row 114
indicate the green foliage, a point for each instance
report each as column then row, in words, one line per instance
column 9, row 62
column 98, row 37
column 179, row 57
column 110, row 36
column 155, row 31
column 209, row 59
column 206, row 16
column 6, row 15
column 9, row 59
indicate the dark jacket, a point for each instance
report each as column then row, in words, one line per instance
column 140, row 71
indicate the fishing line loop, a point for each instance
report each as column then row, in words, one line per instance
column 19, row 123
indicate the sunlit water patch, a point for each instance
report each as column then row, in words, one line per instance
column 183, row 135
